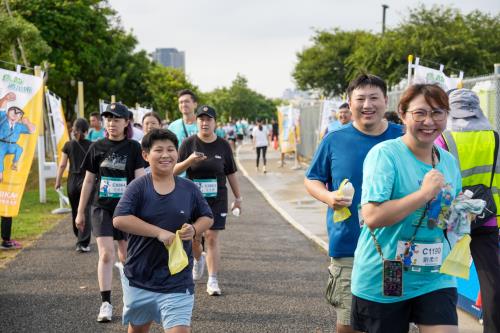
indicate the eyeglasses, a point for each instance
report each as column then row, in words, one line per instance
column 420, row 115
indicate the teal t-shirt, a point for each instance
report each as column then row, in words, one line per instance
column 94, row 135
column 178, row 129
column 391, row 171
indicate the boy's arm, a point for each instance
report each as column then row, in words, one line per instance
column 134, row 225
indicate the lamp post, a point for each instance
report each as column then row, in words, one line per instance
column 384, row 8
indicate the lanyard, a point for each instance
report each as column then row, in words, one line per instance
column 412, row 239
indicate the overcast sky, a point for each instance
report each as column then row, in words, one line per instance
column 257, row 38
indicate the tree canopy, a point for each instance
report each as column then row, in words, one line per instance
column 440, row 34
column 239, row 101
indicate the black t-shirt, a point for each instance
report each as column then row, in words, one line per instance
column 113, row 169
column 217, row 166
column 147, row 258
column 76, row 151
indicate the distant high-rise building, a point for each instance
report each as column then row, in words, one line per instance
column 170, row 57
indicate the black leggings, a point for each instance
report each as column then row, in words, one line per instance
column 6, row 228
column 74, row 190
column 264, row 149
column 484, row 250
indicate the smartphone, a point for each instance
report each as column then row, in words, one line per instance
column 199, row 154
column 392, row 278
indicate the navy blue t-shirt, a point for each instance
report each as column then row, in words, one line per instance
column 147, row 258
column 339, row 156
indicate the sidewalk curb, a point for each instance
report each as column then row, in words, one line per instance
column 321, row 243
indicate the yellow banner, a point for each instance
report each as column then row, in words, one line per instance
column 289, row 128
column 21, row 98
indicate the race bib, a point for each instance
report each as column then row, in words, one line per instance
column 112, row 187
column 420, row 257
column 208, row 187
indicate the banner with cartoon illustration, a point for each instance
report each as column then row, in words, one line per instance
column 56, row 114
column 289, row 128
column 21, row 98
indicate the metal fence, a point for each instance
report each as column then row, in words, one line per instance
column 309, row 128
column 486, row 87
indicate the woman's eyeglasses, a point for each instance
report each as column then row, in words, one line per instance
column 419, row 115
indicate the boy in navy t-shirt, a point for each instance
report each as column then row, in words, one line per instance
column 151, row 210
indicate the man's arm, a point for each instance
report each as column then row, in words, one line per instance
column 319, row 191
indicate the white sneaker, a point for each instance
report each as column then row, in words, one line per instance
column 85, row 249
column 198, row 267
column 105, row 313
column 213, row 288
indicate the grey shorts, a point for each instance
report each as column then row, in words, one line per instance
column 340, row 279
column 102, row 224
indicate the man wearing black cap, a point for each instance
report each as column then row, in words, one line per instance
column 208, row 161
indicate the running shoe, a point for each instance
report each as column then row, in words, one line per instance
column 105, row 313
column 11, row 245
column 84, row 249
column 213, row 288
column 198, row 267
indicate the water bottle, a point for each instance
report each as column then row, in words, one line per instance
column 236, row 211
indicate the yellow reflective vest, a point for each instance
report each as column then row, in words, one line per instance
column 475, row 152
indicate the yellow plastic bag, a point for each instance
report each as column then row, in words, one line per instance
column 177, row 257
column 344, row 213
column 457, row 262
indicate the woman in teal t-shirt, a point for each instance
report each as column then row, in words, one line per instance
column 408, row 186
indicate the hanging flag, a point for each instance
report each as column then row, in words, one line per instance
column 289, row 128
column 61, row 134
column 21, row 98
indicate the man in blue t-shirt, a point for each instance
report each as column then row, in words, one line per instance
column 340, row 156
column 185, row 126
column 153, row 208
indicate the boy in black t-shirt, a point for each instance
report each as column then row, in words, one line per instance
column 151, row 210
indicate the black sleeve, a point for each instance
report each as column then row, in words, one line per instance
column 137, row 155
column 185, row 150
column 89, row 163
column 66, row 148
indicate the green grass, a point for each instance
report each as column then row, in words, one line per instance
column 34, row 218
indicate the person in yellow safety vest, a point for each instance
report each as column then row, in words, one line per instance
column 473, row 142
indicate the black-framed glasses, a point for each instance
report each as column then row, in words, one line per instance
column 419, row 115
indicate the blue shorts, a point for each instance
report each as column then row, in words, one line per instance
column 142, row 306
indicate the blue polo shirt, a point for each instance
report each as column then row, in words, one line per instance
column 147, row 258
column 339, row 156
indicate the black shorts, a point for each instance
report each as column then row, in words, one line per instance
column 102, row 224
column 240, row 137
column 435, row 308
column 219, row 210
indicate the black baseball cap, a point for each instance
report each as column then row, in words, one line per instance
column 207, row 111
column 118, row 110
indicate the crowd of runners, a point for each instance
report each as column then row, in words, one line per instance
column 149, row 188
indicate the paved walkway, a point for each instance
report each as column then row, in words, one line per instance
column 272, row 280
column 272, row 275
